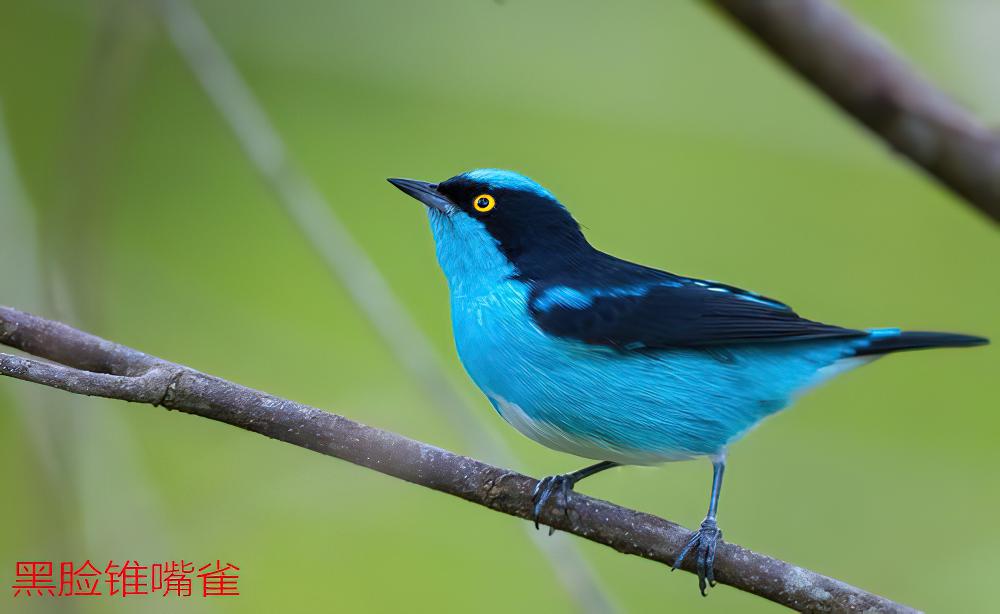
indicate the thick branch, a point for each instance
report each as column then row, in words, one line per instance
column 93, row 366
column 865, row 78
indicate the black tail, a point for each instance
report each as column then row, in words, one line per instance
column 885, row 341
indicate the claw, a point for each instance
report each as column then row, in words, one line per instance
column 704, row 541
column 545, row 488
column 561, row 485
column 710, row 559
column 541, row 494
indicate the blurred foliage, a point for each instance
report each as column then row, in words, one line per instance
column 674, row 140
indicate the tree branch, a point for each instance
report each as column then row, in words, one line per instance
column 346, row 260
column 864, row 77
column 93, row 366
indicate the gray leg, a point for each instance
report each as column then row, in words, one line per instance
column 706, row 539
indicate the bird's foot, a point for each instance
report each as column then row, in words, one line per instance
column 559, row 485
column 703, row 544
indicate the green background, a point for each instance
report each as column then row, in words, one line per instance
column 673, row 138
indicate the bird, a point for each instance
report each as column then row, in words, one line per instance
column 617, row 362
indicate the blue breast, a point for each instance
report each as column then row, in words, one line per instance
column 597, row 402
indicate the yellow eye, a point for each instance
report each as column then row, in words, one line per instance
column 483, row 203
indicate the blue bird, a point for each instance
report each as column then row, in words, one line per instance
column 617, row 362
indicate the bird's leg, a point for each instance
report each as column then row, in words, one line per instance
column 562, row 484
column 706, row 538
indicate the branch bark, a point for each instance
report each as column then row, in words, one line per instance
column 350, row 265
column 85, row 364
column 861, row 74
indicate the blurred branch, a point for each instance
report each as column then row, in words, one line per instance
column 859, row 72
column 76, row 222
column 311, row 213
column 92, row 366
column 74, row 448
column 348, row 262
column 55, row 496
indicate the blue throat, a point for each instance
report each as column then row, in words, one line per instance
column 594, row 401
column 606, row 359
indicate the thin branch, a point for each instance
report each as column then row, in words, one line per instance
column 312, row 215
column 92, row 366
column 859, row 72
column 348, row 262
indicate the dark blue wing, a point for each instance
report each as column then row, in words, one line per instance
column 664, row 311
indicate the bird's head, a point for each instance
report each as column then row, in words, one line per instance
column 490, row 221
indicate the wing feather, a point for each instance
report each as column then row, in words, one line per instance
column 670, row 311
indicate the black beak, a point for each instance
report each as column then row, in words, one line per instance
column 424, row 192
